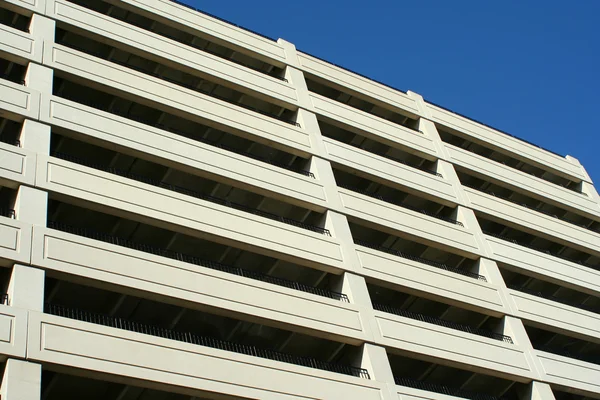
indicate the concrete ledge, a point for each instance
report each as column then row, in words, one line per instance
column 179, row 100
column 569, row 373
column 17, row 166
column 376, row 128
column 551, row 268
column 393, row 173
column 429, row 340
column 15, row 241
column 349, row 81
column 181, row 153
column 189, row 215
column 18, row 100
column 13, row 332
column 101, row 349
column 190, row 285
column 408, row 223
column 173, row 53
column 454, row 288
column 520, row 149
column 523, row 182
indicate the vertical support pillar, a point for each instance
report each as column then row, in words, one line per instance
column 31, row 205
column 21, row 381
column 40, row 78
column 587, row 186
column 35, row 137
column 340, row 229
column 541, row 391
column 43, row 30
column 516, row 330
column 26, row 288
column 375, row 360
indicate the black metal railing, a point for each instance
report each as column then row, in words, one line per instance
column 554, row 298
column 259, row 276
column 240, row 152
column 419, row 259
column 388, row 199
column 199, row 340
column 7, row 212
column 533, row 247
column 188, row 192
column 443, row 389
column 441, row 322
column 491, row 193
column 189, row 86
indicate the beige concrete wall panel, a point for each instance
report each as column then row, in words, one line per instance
column 37, row 6
column 180, row 152
column 518, row 148
column 456, row 289
column 359, row 84
column 567, row 319
column 102, row 349
column 561, row 271
column 570, row 373
column 18, row 44
column 431, row 340
column 187, row 214
column 180, row 100
column 15, row 241
column 17, row 166
column 369, row 125
column 192, row 21
column 13, row 332
column 173, row 51
column 185, row 282
column 431, row 186
column 579, row 237
column 18, row 99
column 530, row 184
column 402, row 221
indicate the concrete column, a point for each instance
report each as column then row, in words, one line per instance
column 339, row 228
column 541, row 391
column 39, row 78
column 576, row 162
column 355, row 287
column 26, row 288
column 43, row 30
column 35, row 137
column 306, row 112
column 428, row 128
column 449, row 173
column 323, row 171
column 375, row 360
column 308, row 120
column 21, row 381
column 469, row 220
column 591, row 191
column 31, row 205
column 516, row 330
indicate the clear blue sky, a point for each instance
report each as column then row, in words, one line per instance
column 530, row 68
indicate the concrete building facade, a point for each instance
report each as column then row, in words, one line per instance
column 190, row 210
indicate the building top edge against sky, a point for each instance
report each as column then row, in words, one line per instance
column 308, row 53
